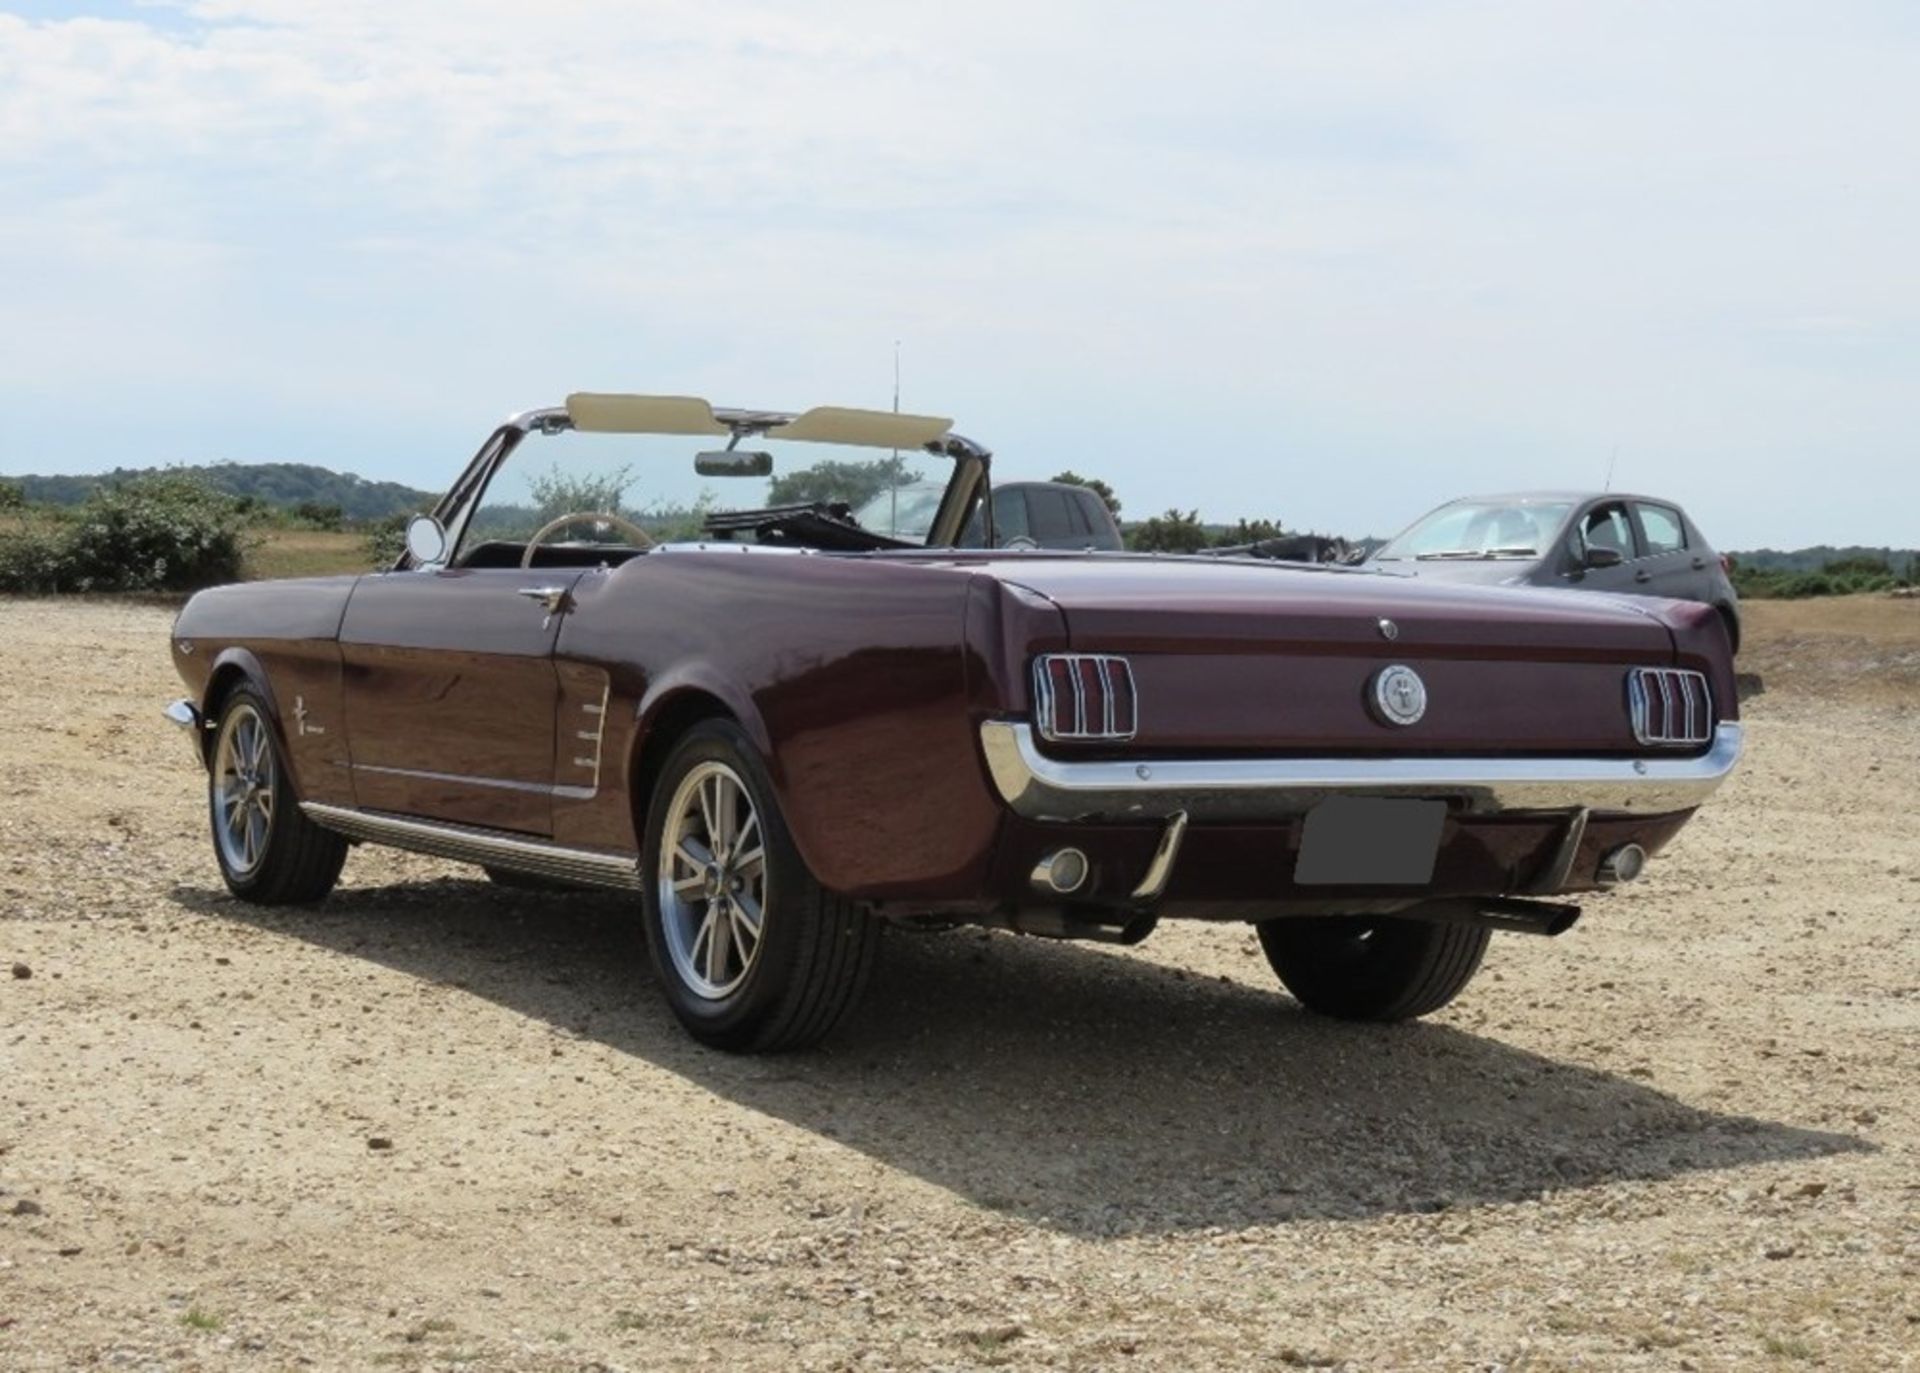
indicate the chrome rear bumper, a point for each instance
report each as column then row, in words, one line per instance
column 1040, row 787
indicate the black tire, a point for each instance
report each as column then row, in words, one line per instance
column 1372, row 967
column 276, row 856
column 813, row 951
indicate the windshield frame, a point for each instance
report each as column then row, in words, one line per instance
column 969, row 483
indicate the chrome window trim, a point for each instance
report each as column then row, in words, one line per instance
column 1040, row 787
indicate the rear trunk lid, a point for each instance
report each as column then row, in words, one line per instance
column 1258, row 658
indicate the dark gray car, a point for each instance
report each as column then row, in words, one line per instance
column 1607, row 541
column 1025, row 515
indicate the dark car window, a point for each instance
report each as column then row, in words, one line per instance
column 1666, row 532
column 1607, row 526
column 1049, row 515
column 1010, row 515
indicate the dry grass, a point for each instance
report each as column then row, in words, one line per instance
column 306, row 553
column 1854, row 646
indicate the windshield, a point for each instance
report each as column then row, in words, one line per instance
column 903, row 512
column 1481, row 529
column 648, row 481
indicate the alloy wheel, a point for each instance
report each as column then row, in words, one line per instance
column 244, row 789
column 712, row 881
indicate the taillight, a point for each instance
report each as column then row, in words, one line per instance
column 1726, row 564
column 1669, row 705
column 1084, row 696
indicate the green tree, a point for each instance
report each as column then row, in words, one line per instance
column 1173, row 532
column 12, row 496
column 1248, row 531
column 856, row 483
column 557, row 492
column 1095, row 485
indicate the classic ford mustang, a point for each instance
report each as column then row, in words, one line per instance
column 794, row 731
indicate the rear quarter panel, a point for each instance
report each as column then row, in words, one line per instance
column 859, row 681
column 1701, row 642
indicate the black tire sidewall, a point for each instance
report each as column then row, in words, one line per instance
column 735, row 1018
column 1411, row 968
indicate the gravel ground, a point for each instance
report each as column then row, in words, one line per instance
column 432, row 1124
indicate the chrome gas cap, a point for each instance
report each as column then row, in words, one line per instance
column 1398, row 696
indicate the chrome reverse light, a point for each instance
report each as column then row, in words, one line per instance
column 1083, row 696
column 1669, row 706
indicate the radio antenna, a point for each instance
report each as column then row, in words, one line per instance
column 1612, row 457
column 893, row 476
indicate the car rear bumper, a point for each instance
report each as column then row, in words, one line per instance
column 1039, row 787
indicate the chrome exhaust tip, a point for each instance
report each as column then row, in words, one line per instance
column 1062, row 872
column 1621, row 865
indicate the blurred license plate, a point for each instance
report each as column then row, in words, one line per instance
column 1358, row 841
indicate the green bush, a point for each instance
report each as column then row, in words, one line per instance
column 1174, row 532
column 30, row 559
column 386, row 539
column 165, row 533
column 319, row 515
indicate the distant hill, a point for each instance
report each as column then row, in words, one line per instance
column 1815, row 558
column 281, row 484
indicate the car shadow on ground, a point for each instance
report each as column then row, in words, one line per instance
column 1088, row 1091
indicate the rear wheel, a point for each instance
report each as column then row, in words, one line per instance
column 269, row 852
column 1372, row 967
column 751, row 952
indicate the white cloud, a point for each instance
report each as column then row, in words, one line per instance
column 1352, row 258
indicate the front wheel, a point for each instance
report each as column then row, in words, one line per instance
column 751, row 952
column 269, row 853
column 1372, row 967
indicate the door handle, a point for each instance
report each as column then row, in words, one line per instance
column 1699, row 563
column 1643, row 575
column 554, row 598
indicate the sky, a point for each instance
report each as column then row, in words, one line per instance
column 1326, row 263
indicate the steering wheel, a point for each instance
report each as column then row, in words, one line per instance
column 636, row 536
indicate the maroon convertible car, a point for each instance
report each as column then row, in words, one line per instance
column 796, row 731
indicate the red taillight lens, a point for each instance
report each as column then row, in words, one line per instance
column 1083, row 696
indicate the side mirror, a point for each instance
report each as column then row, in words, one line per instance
column 1603, row 557
column 733, row 462
column 426, row 541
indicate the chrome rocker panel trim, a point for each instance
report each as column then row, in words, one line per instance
column 464, row 844
column 1043, row 788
